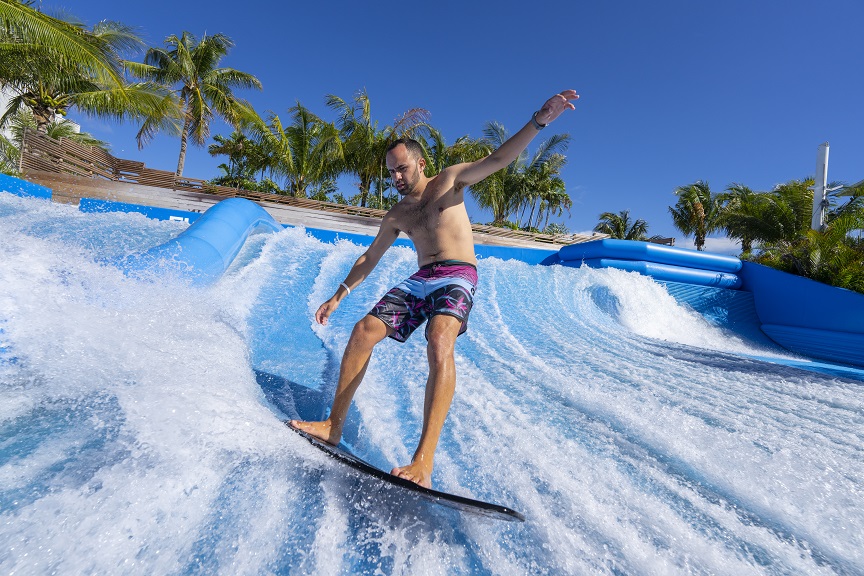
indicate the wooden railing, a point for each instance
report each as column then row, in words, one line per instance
column 41, row 153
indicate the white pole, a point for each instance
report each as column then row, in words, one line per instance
column 820, row 193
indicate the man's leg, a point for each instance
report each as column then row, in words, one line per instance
column 366, row 334
column 440, row 386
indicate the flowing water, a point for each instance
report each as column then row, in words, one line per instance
column 141, row 422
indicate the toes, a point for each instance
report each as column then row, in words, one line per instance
column 403, row 473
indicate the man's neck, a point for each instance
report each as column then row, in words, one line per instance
column 419, row 189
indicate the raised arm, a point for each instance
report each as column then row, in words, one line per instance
column 473, row 172
column 364, row 265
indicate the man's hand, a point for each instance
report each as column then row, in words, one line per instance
column 325, row 310
column 556, row 105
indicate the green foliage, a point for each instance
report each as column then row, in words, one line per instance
column 22, row 120
column 244, row 158
column 530, row 186
column 324, row 190
column 556, row 228
column 765, row 218
column 307, row 153
column 52, row 65
column 364, row 145
column 201, row 89
column 696, row 212
column 439, row 155
column 831, row 256
column 774, row 228
column 621, row 227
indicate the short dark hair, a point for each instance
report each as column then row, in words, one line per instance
column 415, row 149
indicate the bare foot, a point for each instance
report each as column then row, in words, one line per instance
column 322, row 430
column 415, row 472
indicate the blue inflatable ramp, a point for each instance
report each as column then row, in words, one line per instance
column 659, row 261
column 204, row 251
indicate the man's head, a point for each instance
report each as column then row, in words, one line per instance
column 405, row 163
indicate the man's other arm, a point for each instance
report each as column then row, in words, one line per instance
column 387, row 234
column 473, row 172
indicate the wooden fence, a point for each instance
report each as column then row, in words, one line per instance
column 40, row 153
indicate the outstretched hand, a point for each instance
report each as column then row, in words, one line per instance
column 556, row 105
column 324, row 311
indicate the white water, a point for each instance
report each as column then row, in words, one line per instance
column 140, row 423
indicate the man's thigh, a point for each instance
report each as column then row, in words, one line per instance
column 443, row 327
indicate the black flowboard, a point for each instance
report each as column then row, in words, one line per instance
column 451, row 500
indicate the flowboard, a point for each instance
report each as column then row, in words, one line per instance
column 460, row 503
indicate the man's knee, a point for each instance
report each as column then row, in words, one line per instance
column 441, row 337
column 369, row 330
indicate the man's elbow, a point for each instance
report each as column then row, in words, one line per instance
column 496, row 162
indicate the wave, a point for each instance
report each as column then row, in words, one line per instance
column 140, row 422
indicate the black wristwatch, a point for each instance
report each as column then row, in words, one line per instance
column 537, row 125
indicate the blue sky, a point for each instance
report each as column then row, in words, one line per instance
column 671, row 91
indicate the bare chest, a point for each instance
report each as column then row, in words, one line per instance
column 422, row 217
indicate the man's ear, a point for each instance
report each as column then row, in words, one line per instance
column 421, row 162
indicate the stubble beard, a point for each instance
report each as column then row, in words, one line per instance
column 409, row 186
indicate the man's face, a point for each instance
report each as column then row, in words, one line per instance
column 404, row 169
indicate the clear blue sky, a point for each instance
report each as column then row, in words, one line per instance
column 671, row 91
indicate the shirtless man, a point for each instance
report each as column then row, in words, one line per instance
column 432, row 213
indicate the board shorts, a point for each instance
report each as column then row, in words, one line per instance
column 439, row 288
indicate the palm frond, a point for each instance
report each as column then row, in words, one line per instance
column 67, row 42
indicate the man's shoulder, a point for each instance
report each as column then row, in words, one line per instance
column 396, row 208
column 395, row 213
column 452, row 176
column 448, row 180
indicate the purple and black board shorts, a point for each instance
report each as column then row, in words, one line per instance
column 439, row 288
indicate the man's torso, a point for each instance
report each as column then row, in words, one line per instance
column 437, row 222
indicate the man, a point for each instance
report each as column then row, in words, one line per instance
column 432, row 213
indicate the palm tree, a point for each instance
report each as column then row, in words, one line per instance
column 830, row 256
column 526, row 182
column 792, row 207
column 364, row 145
column 28, row 35
column 742, row 215
column 307, row 152
column 238, row 149
column 440, row 155
column 543, row 190
column 51, row 65
column 854, row 203
column 621, row 227
column 203, row 89
column 556, row 229
column 499, row 192
column 696, row 212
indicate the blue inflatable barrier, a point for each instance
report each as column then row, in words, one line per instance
column 659, row 261
column 845, row 347
column 665, row 272
column 97, row 206
column 204, row 251
column 21, row 187
column 650, row 252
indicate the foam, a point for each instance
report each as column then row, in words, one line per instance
column 136, row 435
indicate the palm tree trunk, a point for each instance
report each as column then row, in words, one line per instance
column 43, row 117
column 184, row 136
column 700, row 233
column 365, row 187
column 531, row 216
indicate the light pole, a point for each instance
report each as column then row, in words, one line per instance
column 820, row 190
